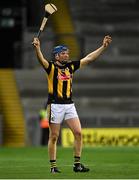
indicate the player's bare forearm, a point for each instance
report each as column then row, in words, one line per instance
column 39, row 54
column 95, row 54
column 92, row 56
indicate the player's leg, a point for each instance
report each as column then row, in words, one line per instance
column 75, row 126
column 52, row 145
column 53, row 137
column 55, row 116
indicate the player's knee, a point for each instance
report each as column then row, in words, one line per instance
column 54, row 138
column 78, row 134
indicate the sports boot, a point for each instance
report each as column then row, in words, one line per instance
column 55, row 170
column 78, row 167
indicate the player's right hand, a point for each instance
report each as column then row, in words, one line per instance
column 36, row 42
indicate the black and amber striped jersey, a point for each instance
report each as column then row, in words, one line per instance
column 60, row 82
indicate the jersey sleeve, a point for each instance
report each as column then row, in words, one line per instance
column 76, row 65
column 49, row 67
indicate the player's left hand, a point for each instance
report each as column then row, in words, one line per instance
column 107, row 40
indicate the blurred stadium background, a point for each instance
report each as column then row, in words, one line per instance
column 106, row 93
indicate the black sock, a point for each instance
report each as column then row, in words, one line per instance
column 53, row 163
column 76, row 160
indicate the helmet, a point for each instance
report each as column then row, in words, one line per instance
column 59, row 49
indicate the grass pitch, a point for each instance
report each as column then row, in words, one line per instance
column 104, row 163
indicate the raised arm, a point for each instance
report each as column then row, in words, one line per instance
column 39, row 54
column 95, row 54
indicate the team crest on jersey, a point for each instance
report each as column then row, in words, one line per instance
column 63, row 76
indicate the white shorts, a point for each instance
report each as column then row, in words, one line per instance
column 60, row 112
